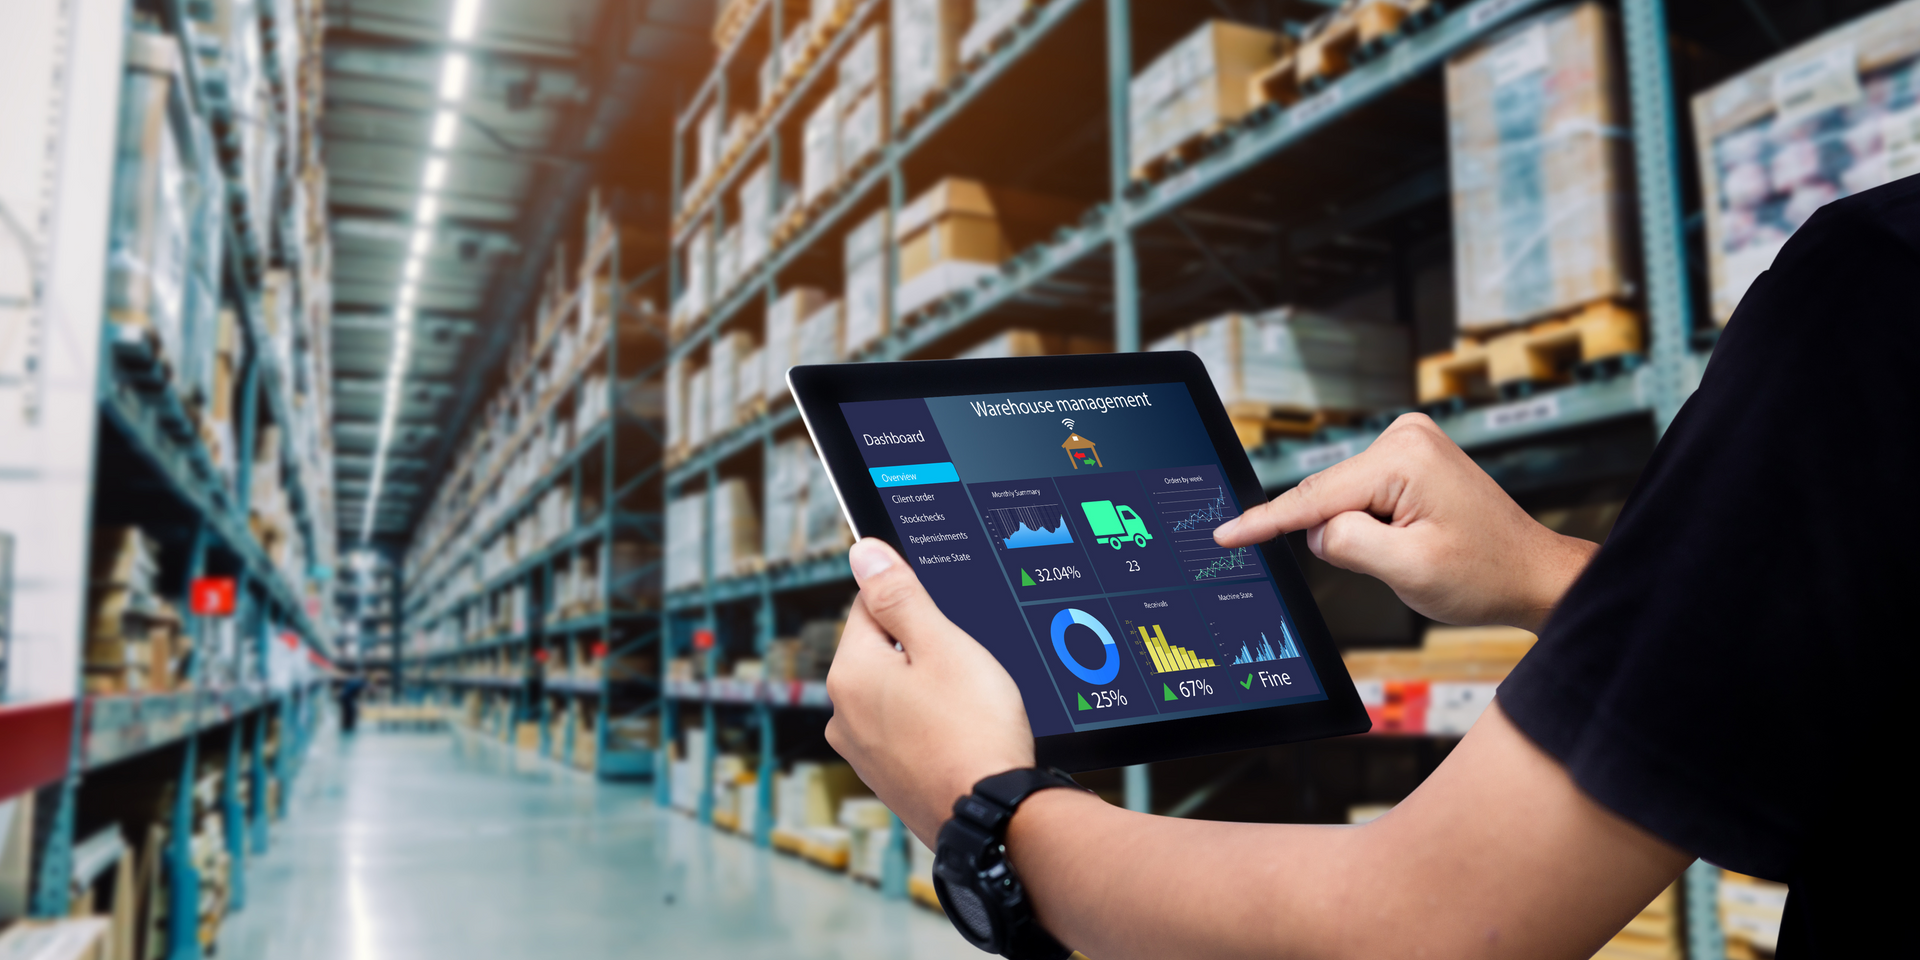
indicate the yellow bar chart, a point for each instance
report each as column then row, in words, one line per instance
column 1167, row 657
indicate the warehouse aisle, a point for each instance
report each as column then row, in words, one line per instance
column 415, row 847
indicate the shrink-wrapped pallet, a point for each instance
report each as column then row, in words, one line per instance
column 819, row 337
column 1301, row 361
column 729, row 350
column 783, row 337
column 749, row 385
column 820, row 150
column 1539, row 171
column 991, row 18
column 736, row 529
column 787, row 471
column 859, row 68
column 862, row 131
column 699, row 397
column 926, row 48
column 757, row 199
column 866, row 312
column 826, row 528
column 686, row 553
column 1829, row 118
column 147, row 251
column 707, row 144
column 697, row 275
column 1197, row 87
column 727, row 268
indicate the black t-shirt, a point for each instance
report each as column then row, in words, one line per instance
column 1730, row 672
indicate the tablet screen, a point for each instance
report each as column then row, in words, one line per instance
column 1071, row 532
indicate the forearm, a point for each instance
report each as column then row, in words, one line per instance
column 1115, row 884
column 1555, row 564
column 1498, row 854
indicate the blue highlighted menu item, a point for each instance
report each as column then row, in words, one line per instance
column 914, row 474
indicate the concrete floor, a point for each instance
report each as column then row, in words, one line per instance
column 423, row 846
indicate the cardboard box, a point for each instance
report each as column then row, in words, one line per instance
column 821, row 337
column 783, row 337
column 686, row 541
column 1197, row 86
column 991, row 18
column 1540, row 174
column 859, row 68
column 1819, row 122
column 1018, row 342
column 68, row 938
column 736, row 530
column 926, row 48
column 728, row 353
column 1302, row 361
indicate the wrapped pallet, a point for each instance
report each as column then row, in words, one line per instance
column 1197, row 87
column 758, row 195
column 699, row 395
column 787, row 472
column 724, row 361
column 871, row 825
column 1303, row 361
column 148, row 247
column 696, row 293
column 676, row 426
column 783, row 337
column 707, row 144
column 961, row 230
column 863, row 132
column 820, row 150
column 821, row 337
column 750, row 386
column 686, row 538
column 727, row 267
column 736, row 529
column 825, row 528
column 1539, row 170
column 926, row 49
column 991, row 18
column 866, row 313
column 1829, row 118
column 859, row 68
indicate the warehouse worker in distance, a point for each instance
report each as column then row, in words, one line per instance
column 1725, row 678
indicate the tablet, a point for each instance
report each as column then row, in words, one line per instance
column 1061, row 511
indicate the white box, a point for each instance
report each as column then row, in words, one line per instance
column 820, row 154
column 862, row 131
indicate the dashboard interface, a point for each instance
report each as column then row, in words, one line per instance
column 1071, row 532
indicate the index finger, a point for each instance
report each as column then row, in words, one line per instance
column 1371, row 481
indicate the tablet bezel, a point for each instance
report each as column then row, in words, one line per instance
column 819, row 390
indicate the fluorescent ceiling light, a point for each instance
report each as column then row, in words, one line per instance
column 453, row 77
column 412, row 272
column 428, row 209
column 406, row 297
column 436, row 174
column 466, row 15
column 422, row 239
column 444, row 124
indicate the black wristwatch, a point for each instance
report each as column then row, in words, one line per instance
column 976, row 884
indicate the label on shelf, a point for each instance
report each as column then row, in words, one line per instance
column 1316, row 459
column 1508, row 416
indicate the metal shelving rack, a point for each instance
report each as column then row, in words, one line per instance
column 148, row 466
column 1106, row 250
column 535, row 673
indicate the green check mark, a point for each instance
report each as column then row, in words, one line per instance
column 1247, row 684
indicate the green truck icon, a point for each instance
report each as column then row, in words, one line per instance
column 1115, row 525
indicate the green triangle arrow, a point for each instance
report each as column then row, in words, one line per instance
column 1168, row 691
column 1084, row 705
column 1026, row 579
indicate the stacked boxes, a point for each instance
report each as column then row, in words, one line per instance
column 1832, row 117
column 686, row 553
column 1019, row 342
column 1441, row 688
column 1295, row 359
column 802, row 516
column 820, row 150
column 1539, row 171
column 961, row 230
column 869, row 825
column 736, row 529
column 784, row 320
column 148, row 245
column 1197, row 87
column 1750, row 913
column 991, row 18
column 134, row 640
column 926, row 49
column 806, row 805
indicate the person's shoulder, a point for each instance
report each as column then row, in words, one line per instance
column 1887, row 213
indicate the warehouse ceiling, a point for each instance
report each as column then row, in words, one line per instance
column 545, row 98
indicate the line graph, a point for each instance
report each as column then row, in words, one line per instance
column 1039, row 525
column 1265, row 652
column 1191, row 504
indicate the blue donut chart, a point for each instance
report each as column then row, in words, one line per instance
column 1108, row 669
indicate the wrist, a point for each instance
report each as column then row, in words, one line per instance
column 1566, row 558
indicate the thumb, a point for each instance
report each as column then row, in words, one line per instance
column 891, row 592
column 1355, row 541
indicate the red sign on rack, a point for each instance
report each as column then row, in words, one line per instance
column 703, row 639
column 540, row 655
column 212, row 596
column 599, row 649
